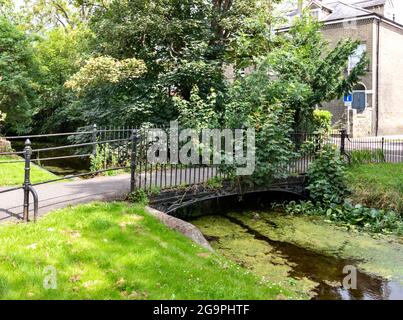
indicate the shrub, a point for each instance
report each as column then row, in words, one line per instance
column 104, row 158
column 139, row 196
column 351, row 216
column 322, row 120
column 327, row 182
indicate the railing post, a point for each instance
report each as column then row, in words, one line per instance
column 383, row 150
column 94, row 140
column 27, row 178
column 133, row 162
column 343, row 135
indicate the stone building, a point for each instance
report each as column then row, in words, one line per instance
column 377, row 101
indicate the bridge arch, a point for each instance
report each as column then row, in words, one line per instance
column 222, row 203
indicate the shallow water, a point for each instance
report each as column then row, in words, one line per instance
column 254, row 241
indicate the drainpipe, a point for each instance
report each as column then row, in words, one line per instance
column 377, row 79
column 300, row 6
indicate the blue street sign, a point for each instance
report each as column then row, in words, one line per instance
column 348, row 98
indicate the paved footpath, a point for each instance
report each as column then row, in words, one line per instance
column 61, row 194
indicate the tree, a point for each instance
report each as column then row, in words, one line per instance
column 42, row 15
column 305, row 57
column 59, row 52
column 183, row 43
column 279, row 97
column 18, row 72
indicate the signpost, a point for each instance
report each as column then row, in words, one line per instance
column 348, row 100
column 348, row 103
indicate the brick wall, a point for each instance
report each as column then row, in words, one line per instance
column 364, row 32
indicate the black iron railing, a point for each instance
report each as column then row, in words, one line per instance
column 126, row 149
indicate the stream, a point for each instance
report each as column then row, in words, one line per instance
column 292, row 252
column 60, row 167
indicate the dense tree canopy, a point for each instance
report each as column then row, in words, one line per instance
column 125, row 62
column 18, row 72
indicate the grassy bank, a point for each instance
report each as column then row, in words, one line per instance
column 117, row 251
column 378, row 185
column 12, row 174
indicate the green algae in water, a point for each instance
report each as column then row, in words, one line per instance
column 308, row 255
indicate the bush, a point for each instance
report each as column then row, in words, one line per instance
column 327, row 182
column 139, row 196
column 322, row 120
column 353, row 217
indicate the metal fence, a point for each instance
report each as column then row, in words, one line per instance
column 368, row 149
column 126, row 149
column 109, row 150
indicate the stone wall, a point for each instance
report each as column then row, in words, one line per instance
column 4, row 145
column 360, row 123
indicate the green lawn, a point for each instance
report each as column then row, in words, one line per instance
column 117, row 251
column 378, row 185
column 12, row 174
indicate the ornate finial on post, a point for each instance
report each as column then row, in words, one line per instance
column 27, row 178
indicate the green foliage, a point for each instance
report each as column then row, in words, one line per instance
column 214, row 183
column 99, row 70
column 327, row 183
column 196, row 112
column 260, row 102
column 184, row 44
column 354, row 217
column 59, row 52
column 367, row 156
column 41, row 15
column 153, row 191
column 18, row 71
column 322, row 120
column 3, row 117
column 305, row 59
column 139, row 196
column 104, row 158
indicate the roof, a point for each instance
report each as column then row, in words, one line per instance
column 342, row 10
column 370, row 3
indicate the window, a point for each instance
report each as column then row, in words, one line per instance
column 315, row 13
column 356, row 56
column 359, row 98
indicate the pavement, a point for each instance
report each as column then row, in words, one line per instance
column 61, row 194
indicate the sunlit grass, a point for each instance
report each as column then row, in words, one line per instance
column 117, row 251
column 12, row 174
column 378, row 185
